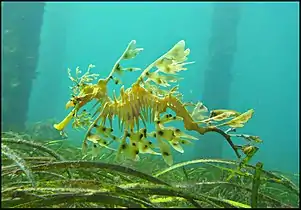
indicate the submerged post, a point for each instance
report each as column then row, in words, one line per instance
column 222, row 48
column 21, row 27
column 52, row 67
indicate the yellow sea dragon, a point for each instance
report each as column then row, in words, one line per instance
column 147, row 101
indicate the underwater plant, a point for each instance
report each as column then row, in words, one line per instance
column 36, row 174
column 147, row 101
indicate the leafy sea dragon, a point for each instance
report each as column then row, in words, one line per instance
column 146, row 101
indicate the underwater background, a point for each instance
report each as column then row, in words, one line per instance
column 252, row 47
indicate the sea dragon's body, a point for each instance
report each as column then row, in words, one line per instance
column 145, row 103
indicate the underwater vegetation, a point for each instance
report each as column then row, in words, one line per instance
column 55, row 173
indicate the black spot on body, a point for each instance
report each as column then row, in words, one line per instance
column 137, row 152
column 169, row 115
column 134, row 144
column 141, row 135
column 123, row 146
column 144, row 132
column 160, row 133
column 128, row 135
column 177, row 130
column 94, row 145
column 103, row 129
column 165, row 154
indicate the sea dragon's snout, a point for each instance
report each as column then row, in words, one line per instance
column 60, row 126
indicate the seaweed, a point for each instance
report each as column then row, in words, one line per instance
column 41, row 179
column 256, row 184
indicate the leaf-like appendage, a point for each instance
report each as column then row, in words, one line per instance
column 239, row 121
column 131, row 51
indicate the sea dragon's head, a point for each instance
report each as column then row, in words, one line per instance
column 88, row 92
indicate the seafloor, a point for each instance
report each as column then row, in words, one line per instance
column 54, row 173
